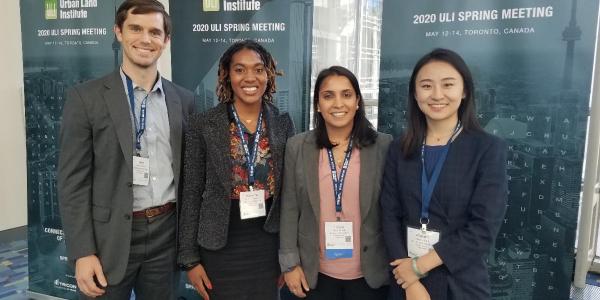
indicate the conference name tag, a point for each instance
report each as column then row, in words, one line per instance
column 420, row 241
column 252, row 204
column 141, row 170
column 338, row 240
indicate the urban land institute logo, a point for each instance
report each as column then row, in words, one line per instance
column 231, row 5
column 210, row 5
column 51, row 9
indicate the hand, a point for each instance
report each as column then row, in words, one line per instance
column 417, row 291
column 280, row 281
column 296, row 282
column 403, row 272
column 197, row 276
column 86, row 268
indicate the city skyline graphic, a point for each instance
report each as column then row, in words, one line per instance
column 536, row 97
column 52, row 64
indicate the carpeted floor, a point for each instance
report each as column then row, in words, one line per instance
column 13, row 269
column 14, row 276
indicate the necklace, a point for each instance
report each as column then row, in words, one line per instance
column 339, row 151
column 438, row 139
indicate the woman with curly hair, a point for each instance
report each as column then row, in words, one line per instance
column 233, row 163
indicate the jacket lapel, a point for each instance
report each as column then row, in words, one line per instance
column 311, row 162
column 368, row 164
column 218, row 142
column 175, row 120
column 120, row 113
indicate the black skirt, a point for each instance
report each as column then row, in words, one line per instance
column 247, row 267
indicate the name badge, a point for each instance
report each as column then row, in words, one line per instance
column 338, row 240
column 420, row 241
column 252, row 204
column 141, row 170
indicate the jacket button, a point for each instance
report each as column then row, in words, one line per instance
column 129, row 184
column 365, row 248
column 127, row 216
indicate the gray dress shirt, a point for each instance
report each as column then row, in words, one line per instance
column 155, row 145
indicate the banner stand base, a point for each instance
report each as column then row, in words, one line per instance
column 38, row 296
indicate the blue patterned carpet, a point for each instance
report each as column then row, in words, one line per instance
column 13, row 270
column 14, row 276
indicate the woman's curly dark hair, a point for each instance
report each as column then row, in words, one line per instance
column 224, row 90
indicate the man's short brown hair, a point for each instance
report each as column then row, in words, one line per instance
column 141, row 7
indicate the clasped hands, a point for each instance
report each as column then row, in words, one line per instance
column 408, row 280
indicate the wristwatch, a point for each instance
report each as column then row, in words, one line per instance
column 189, row 266
column 289, row 269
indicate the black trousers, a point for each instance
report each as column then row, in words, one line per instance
column 151, row 269
column 329, row 288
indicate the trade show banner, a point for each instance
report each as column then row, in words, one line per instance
column 203, row 29
column 65, row 42
column 532, row 63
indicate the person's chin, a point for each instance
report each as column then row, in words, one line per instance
column 250, row 100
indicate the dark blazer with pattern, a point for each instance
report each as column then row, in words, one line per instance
column 95, row 167
column 204, row 219
column 299, row 236
column 467, row 207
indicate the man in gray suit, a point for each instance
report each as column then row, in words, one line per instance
column 120, row 163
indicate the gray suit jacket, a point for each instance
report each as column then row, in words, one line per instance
column 300, row 209
column 204, row 220
column 95, row 167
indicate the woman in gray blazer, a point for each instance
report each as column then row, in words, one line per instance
column 331, row 245
column 233, row 161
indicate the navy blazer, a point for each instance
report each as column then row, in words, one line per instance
column 467, row 208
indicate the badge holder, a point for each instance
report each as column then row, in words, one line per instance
column 141, row 170
column 252, row 204
column 339, row 239
column 420, row 240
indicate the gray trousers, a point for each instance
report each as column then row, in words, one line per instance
column 151, row 270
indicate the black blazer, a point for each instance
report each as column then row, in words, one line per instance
column 467, row 207
column 204, row 219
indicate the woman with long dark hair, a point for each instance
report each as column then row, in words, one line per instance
column 444, row 190
column 231, row 182
column 331, row 244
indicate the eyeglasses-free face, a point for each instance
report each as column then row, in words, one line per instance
column 439, row 91
column 248, row 77
column 338, row 103
column 143, row 39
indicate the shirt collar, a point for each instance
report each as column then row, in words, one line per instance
column 156, row 88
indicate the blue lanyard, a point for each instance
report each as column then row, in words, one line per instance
column 138, row 131
column 338, row 185
column 427, row 185
column 250, row 157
